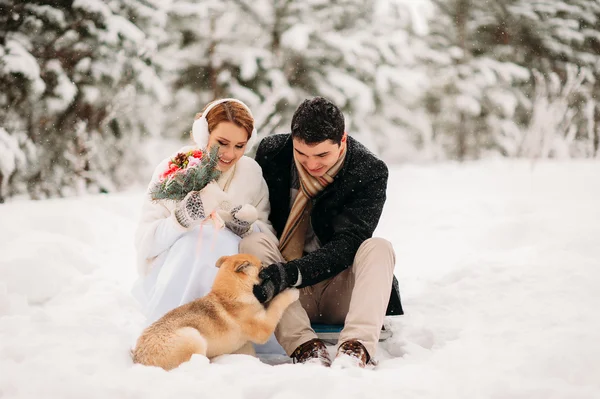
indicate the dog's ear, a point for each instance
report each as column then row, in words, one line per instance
column 221, row 260
column 241, row 268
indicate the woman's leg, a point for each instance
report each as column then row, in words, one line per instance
column 189, row 269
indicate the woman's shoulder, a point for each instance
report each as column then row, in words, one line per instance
column 249, row 177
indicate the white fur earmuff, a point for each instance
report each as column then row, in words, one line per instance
column 200, row 131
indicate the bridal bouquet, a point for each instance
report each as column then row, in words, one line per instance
column 189, row 171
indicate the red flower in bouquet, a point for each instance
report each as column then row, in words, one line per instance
column 170, row 171
column 181, row 161
column 187, row 171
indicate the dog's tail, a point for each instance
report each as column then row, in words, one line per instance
column 174, row 349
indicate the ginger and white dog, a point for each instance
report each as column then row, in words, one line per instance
column 224, row 321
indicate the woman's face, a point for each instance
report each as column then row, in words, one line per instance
column 231, row 140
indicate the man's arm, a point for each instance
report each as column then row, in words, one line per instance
column 352, row 227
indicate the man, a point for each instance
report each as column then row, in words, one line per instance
column 327, row 193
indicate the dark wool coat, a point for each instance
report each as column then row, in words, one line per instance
column 344, row 214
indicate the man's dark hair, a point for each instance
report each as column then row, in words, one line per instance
column 317, row 120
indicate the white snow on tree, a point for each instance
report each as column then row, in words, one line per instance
column 273, row 54
column 84, row 82
column 486, row 99
column 81, row 88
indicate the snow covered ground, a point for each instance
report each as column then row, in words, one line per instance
column 499, row 266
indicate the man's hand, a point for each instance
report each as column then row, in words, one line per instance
column 275, row 278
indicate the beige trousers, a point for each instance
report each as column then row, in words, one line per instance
column 357, row 297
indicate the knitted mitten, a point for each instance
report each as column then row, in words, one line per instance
column 197, row 205
column 239, row 219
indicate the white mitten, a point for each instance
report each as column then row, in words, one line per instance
column 239, row 219
column 197, row 205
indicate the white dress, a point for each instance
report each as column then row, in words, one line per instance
column 177, row 265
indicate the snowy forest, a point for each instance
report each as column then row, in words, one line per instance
column 84, row 83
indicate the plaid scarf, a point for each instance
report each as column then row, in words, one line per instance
column 291, row 243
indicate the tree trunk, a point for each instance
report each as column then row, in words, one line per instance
column 461, row 139
column 462, row 14
column 597, row 142
column 217, row 90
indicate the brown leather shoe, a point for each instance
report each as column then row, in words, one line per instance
column 355, row 350
column 313, row 351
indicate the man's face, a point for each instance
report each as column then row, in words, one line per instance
column 317, row 158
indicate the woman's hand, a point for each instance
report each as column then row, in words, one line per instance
column 197, row 205
column 239, row 219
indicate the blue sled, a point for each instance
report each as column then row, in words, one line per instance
column 331, row 332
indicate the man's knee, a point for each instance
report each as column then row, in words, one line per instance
column 255, row 244
column 377, row 242
column 376, row 252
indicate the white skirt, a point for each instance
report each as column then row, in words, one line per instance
column 188, row 273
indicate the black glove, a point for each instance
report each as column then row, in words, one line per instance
column 275, row 278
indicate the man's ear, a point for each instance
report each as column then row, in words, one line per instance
column 242, row 267
column 221, row 260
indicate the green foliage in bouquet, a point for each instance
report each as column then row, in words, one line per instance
column 180, row 179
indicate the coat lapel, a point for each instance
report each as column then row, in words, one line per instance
column 281, row 185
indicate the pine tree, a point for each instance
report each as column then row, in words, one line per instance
column 482, row 99
column 79, row 87
column 273, row 54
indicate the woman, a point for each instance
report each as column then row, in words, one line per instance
column 178, row 243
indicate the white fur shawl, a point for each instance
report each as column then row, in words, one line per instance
column 157, row 229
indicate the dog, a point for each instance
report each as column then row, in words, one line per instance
column 227, row 320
